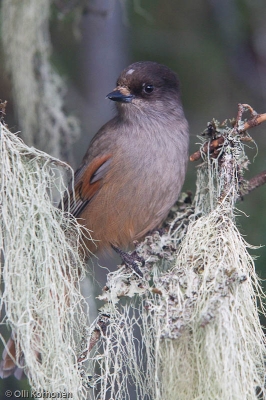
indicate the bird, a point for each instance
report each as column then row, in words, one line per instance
column 134, row 168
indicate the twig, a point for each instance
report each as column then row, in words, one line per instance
column 255, row 121
column 100, row 328
column 213, row 145
column 255, row 182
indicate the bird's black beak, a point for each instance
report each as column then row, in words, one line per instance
column 117, row 95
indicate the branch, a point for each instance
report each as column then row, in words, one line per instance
column 208, row 146
column 100, row 328
column 255, row 182
column 214, row 145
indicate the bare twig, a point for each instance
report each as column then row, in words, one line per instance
column 255, row 182
column 255, row 121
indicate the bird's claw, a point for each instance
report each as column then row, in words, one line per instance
column 131, row 259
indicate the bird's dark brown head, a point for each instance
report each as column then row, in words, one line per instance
column 146, row 82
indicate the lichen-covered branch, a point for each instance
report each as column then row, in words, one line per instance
column 214, row 144
column 190, row 320
column 257, row 181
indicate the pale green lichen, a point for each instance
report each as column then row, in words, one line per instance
column 41, row 267
column 189, row 329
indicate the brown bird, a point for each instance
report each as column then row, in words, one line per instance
column 134, row 168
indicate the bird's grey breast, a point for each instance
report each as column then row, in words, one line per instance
column 154, row 160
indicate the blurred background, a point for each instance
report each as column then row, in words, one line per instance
column 217, row 47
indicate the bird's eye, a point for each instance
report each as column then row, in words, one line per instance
column 148, row 89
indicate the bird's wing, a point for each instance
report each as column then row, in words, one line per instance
column 87, row 181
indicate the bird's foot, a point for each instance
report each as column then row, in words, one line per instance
column 132, row 260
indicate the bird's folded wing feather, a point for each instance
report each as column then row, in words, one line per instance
column 87, row 181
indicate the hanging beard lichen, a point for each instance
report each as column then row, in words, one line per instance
column 189, row 329
column 41, row 268
column 39, row 91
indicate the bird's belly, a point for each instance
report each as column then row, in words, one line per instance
column 128, row 208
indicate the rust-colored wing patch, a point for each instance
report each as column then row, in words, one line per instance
column 87, row 182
